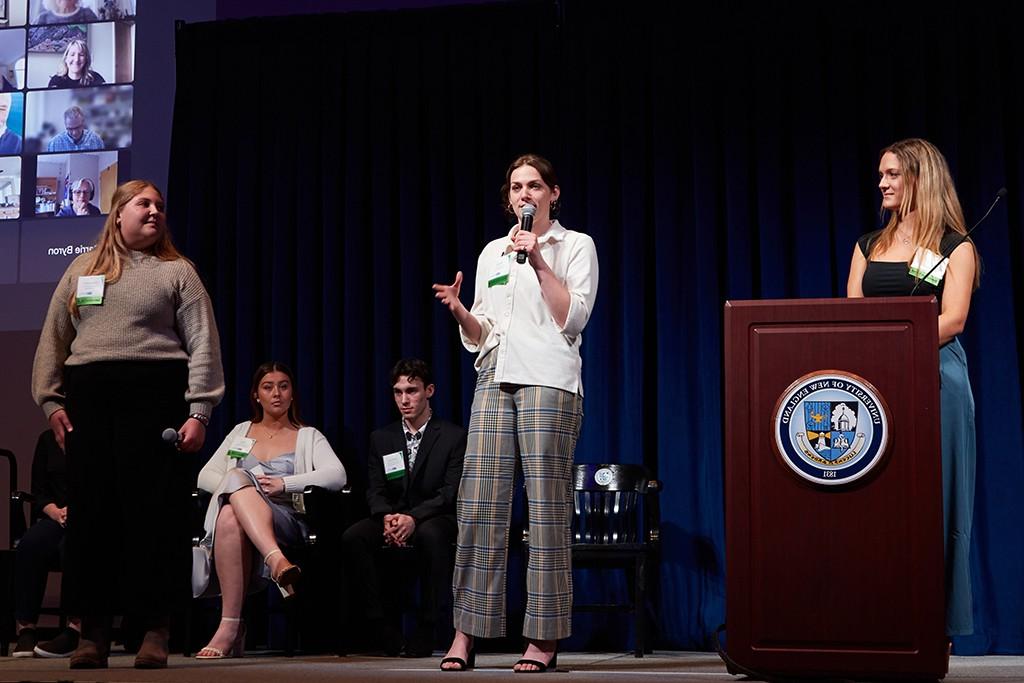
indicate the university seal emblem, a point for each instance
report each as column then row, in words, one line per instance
column 831, row 427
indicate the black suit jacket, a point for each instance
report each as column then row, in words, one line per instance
column 431, row 488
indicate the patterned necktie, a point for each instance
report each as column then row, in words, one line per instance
column 413, row 442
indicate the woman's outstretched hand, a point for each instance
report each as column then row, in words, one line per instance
column 449, row 294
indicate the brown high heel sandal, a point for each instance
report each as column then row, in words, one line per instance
column 286, row 578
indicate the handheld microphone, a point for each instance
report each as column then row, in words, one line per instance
column 963, row 238
column 171, row 436
column 527, row 225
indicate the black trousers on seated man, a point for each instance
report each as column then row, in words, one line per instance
column 426, row 493
column 431, row 556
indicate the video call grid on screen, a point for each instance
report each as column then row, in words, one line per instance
column 66, row 88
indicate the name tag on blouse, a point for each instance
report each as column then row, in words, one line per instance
column 394, row 465
column 502, row 267
column 925, row 260
column 90, row 290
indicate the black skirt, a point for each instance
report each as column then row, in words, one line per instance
column 128, row 544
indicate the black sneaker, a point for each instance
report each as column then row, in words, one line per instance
column 26, row 643
column 61, row 646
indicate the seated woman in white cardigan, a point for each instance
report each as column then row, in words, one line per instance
column 252, row 476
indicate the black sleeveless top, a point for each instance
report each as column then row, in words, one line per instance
column 890, row 278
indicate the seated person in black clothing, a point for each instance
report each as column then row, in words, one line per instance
column 413, row 472
column 81, row 200
column 75, row 68
column 40, row 548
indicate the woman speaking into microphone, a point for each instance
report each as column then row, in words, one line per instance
column 129, row 348
column 535, row 291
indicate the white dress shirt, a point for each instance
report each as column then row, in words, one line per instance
column 515, row 321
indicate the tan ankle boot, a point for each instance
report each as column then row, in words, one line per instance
column 153, row 651
column 93, row 645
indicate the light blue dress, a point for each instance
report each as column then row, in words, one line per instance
column 288, row 528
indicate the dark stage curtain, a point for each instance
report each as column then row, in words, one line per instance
column 327, row 169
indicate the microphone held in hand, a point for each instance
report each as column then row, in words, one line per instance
column 526, row 224
column 171, row 436
column 945, row 255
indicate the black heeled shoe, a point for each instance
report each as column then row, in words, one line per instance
column 466, row 664
column 552, row 665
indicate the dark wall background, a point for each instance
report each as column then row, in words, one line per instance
column 717, row 152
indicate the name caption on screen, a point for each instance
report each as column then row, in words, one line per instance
column 69, row 250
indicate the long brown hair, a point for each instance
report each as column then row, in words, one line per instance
column 261, row 372
column 929, row 192
column 110, row 252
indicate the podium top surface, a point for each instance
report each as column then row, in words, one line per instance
column 845, row 301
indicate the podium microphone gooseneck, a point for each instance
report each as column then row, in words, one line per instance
column 526, row 224
column 963, row 238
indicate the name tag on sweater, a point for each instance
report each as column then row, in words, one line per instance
column 90, row 290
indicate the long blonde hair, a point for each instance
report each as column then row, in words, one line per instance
column 87, row 75
column 929, row 192
column 110, row 253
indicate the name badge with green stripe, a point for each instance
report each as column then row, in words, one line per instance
column 90, row 290
column 502, row 267
column 394, row 465
column 241, row 447
column 924, row 261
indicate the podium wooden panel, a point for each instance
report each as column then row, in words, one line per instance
column 843, row 580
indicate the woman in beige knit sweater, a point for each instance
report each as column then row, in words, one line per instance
column 129, row 347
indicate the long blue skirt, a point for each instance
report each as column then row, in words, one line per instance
column 958, row 474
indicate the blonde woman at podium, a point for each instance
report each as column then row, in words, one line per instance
column 926, row 229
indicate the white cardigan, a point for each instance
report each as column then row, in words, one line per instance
column 315, row 465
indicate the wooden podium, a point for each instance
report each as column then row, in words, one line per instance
column 833, row 488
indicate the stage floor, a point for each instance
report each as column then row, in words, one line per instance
column 685, row 667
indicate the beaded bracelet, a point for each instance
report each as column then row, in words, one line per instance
column 202, row 418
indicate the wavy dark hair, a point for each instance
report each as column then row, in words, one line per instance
column 413, row 368
column 547, row 174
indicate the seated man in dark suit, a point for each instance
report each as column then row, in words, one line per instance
column 413, row 474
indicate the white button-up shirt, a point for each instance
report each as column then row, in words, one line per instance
column 515, row 321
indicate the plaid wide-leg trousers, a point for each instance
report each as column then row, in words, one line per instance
column 539, row 425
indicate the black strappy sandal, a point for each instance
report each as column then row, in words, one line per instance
column 552, row 665
column 464, row 664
